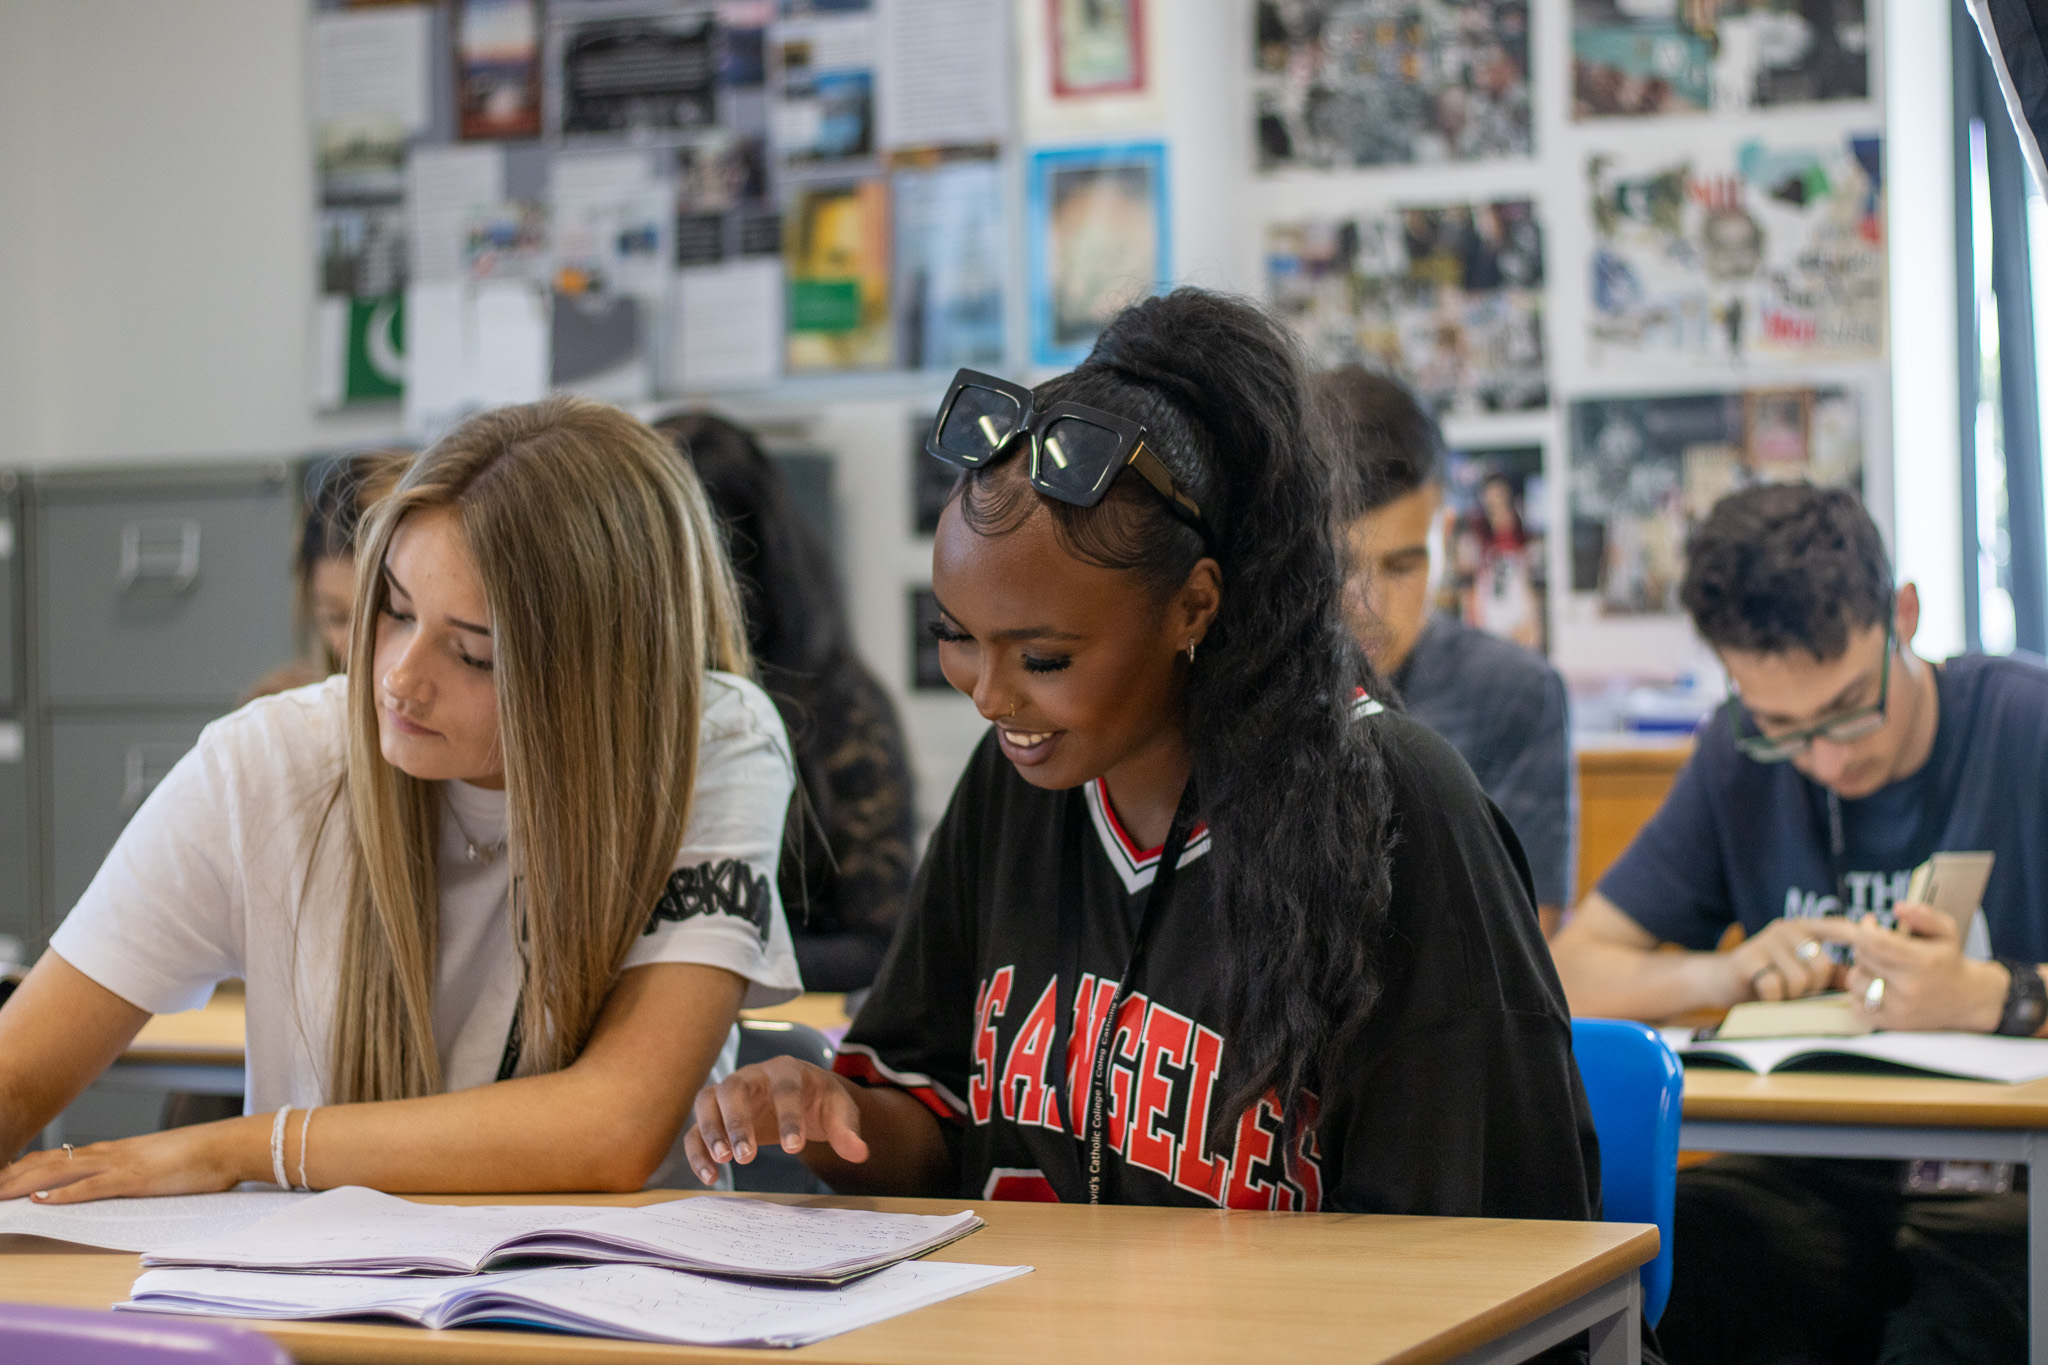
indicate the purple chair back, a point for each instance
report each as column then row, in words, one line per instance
column 32, row 1334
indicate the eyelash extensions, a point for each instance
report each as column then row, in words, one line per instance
column 945, row 634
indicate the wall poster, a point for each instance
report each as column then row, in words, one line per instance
column 652, row 73
column 1098, row 47
column 1646, row 470
column 951, row 246
column 1342, row 83
column 1099, row 240
column 498, row 68
column 1648, row 59
column 836, row 257
column 1496, row 576
column 1717, row 255
column 1449, row 298
column 926, row 673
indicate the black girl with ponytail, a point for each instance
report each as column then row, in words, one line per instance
column 1205, row 922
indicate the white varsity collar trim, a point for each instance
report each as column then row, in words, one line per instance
column 1134, row 866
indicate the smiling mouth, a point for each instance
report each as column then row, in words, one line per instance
column 1026, row 739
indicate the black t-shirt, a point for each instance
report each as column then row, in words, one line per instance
column 1741, row 841
column 1459, row 1096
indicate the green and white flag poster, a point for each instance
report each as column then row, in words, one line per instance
column 359, row 350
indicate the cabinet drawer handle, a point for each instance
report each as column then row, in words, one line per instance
column 147, row 765
column 161, row 555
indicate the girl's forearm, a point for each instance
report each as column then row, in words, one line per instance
column 539, row 1133
column 603, row 1123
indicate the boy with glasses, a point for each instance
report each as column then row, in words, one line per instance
column 1840, row 763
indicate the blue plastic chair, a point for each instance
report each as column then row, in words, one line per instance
column 32, row 1334
column 1635, row 1086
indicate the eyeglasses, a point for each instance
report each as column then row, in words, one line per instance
column 1076, row 451
column 1847, row 728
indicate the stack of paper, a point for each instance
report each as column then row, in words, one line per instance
column 356, row 1230
column 634, row 1302
column 706, row 1271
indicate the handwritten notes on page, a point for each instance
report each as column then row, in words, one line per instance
column 358, row 1230
column 641, row 1303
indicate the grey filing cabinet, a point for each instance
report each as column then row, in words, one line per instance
column 19, row 916
column 157, row 597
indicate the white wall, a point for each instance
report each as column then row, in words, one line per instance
column 156, row 280
column 159, row 154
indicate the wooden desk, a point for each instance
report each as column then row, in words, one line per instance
column 1619, row 790
column 201, row 1051
column 1886, row 1117
column 1127, row 1285
column 198, row 1052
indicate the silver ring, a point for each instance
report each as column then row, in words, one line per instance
column 1808, row 951
column 70, row 1153
column 1873, row 995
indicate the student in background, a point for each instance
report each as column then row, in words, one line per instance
column 1841, row 761
column 1190, row 846
column 846, row 890
column 338, row 493
column 497, row 892
column 1501, row 706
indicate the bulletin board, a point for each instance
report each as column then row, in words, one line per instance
column 645, row 199
column 1634, row 256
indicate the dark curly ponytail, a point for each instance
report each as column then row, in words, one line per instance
column 1295, row 794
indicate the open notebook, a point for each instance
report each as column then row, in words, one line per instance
column 1963, row 1056
column 357, row 1230
column 639, row 1303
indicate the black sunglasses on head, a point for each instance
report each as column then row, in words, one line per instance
column 1076, row 451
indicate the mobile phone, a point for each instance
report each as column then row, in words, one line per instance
column 1953, row 883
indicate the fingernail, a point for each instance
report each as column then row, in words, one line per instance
column 41, row 1194
column 718, row 1149
column 792, row 1143
column 707, row 1175
column 743, row 1152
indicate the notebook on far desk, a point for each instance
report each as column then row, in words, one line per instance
column 1957, row 1056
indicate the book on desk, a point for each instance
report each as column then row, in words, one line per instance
column 1823, row 1034
column 705, row 1271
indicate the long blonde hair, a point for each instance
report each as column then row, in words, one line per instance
column 610, row 595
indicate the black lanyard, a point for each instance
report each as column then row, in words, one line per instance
column 1146, row 904
column 1838, row 852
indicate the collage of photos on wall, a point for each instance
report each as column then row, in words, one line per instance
column 646, row 198
column 1728, row 324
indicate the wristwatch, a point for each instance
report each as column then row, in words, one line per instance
column 2026, row 1000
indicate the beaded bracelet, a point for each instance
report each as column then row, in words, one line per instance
column 305, row 1127
column 284, row 1181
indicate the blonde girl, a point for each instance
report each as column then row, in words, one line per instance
column 497, row 892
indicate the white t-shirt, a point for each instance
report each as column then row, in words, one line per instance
column 211, row 880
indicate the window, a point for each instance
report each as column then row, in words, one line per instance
column 2002, row 289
